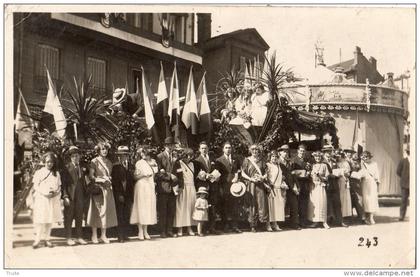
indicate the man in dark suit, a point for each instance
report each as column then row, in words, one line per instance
column 403, row 171
column 122, row 186
column 73, row 194
column 333, row 189
column 211, row 184
column 166, row 198
column 229, row 169
column 292, row 193
column 300, row 164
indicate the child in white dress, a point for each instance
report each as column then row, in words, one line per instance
column 201, row 210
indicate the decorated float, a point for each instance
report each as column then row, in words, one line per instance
column 259, row 110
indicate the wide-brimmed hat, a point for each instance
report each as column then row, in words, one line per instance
column 202, row 190
column 237, row 189
column 284, row 147
column 327, row 148
column 169, row 140
column 121, row 150
column 348, row 149
column 317, row 154
column 74, row 150
column 118, row 96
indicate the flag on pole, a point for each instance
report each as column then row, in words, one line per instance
column 204, row 110
column 190, row 112
column 23, row 119
column 53, row 117
column 174, row 111
column 148, row 110
column 161, row 111
column 24, row 125
column 357, row 135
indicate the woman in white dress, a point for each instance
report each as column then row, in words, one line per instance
column 344, row 186
column 277, row 198
column 317, row 206
column 46, row 199
column 369, row 184
column 144, row 206
column 259, row 101
column 186, row 171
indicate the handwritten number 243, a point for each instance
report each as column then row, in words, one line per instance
column 367, row 242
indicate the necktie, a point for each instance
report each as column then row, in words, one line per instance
column 229, row 160
column 208, row 161
column 77, row 169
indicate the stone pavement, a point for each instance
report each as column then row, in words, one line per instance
column 315, row 248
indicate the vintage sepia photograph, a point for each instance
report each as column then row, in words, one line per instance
column 202, row 136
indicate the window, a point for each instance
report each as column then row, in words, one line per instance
column 97, row 69
column 46, row 57
column 179, row 22
column 137, row 85
column 143, row 21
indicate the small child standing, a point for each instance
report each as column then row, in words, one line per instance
column 200, row 209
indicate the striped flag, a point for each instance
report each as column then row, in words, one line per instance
column 23, row 119
column 24, row 125
column 190, row 112
column 161, row 111
column 174, row 110
column 53, row 118
column 204, row 110
column 148, row 111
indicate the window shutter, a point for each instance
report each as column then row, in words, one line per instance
column 97, row 69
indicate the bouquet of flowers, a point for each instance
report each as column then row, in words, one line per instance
column 247, row 119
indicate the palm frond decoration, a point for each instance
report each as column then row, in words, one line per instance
column 89, row 113
column 275, row 76
column 232, row 79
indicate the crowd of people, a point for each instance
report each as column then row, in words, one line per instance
column 181, row 190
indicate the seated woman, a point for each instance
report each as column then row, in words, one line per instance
column 242, row 108
column 259, row 101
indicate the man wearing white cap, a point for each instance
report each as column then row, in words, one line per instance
column 74, row 191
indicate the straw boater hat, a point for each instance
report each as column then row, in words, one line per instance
column 348, row 149
column 202, row 190
column 237, row 189
column 118, row 96
column 74, row 150
column 121, row 150
column 284, row 147
column 327, row 148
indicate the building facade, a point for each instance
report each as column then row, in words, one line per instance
column 111, row 48
column 227, row 51
column 360, row 68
